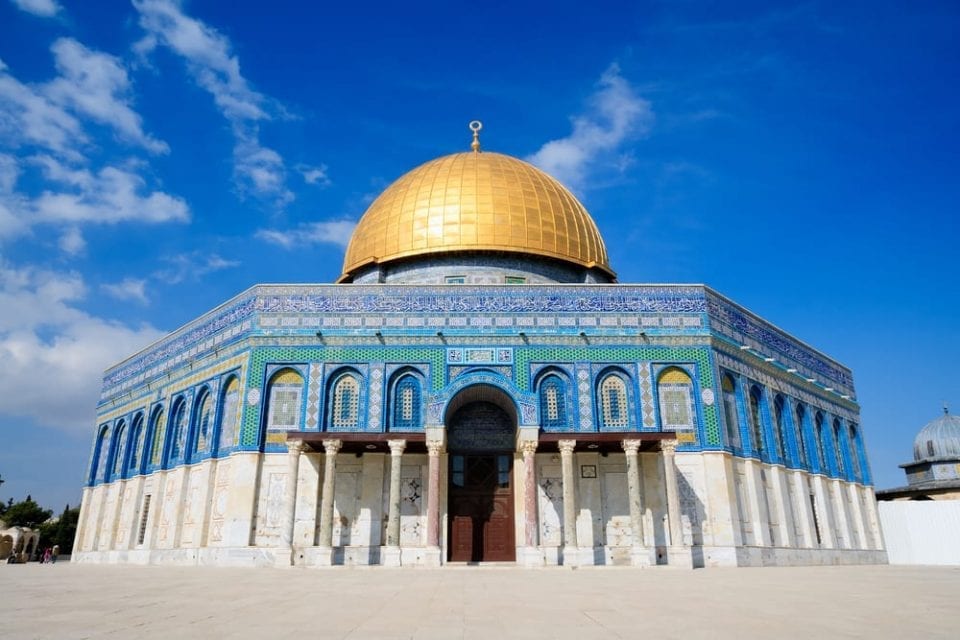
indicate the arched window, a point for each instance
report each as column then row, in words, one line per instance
column 179, row 427
column 158, row 424
column 345, row 407
column 614, row 405
column 117, row 451
column 854, row 453
column 285, row 400
column 553, row 402
column 731, row 416
column 778, row 408
column 675, row 391
column 800, row 416
column 99, row 455
column 406, row 404
column 230, row 415
column 136, row 444
column 818, row 427
column 203, row 417
column 756, row 423
column 838, row 446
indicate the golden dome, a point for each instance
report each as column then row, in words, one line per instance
column 475, row 201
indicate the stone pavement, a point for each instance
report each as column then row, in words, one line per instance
column 91, row 601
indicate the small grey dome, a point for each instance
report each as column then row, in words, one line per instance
column 939, row 439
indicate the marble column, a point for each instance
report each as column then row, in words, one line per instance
column 679, row 554
column 531, row 555
column 639, row 556
column 433, row 502
column 330, row 448
column 390, row 555
column 284, row 556
column 570, row 550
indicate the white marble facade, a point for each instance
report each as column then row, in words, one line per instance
column 234, row 511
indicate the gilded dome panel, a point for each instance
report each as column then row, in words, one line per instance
column 475, row 201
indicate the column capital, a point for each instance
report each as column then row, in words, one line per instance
column 331, row 447
column 669, row 447
column 528, row 447
column 396, row 446
column 296, row 445
column 630, row 447
column 434, row 448
column 566, row 446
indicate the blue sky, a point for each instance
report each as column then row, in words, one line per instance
column 158, row 157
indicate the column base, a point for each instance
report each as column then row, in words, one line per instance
column 319, row 556
column 283, row 557
column 530, row 557
column 390, row 556
column 570, row 557
column 679, row 557
column 432, row 557
column 643, row 557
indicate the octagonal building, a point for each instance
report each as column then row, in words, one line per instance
column 478, row 387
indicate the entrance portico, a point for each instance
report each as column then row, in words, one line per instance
column 602, row 504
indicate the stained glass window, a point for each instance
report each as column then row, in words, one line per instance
column 676, row 402
column 286, row 391
column 159, row 431
column 799, row 419
column 346, row 403
column 613, row 402
column 732, row 417
column 756, row 424
column 228, row 419
column 406, row 404
column 553, row 407
column 136, row 443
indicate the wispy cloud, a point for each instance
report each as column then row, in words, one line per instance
column 44, row 123
column 258, row 170
column 335, row 232
column 42, row 8
column 96, row 85
column 316, row 176
column 614, row 114
column 192, row 266
column 50, row 338
column 111, row 195
column 128, row 289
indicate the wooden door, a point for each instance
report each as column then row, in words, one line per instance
column 481, row 508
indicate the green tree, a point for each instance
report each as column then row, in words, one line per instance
column 61, row 531
column 26, row 513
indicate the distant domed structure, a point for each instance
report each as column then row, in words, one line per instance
column 940, row 438
column 934, row 473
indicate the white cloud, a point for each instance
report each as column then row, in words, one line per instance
column 128, row 289
column 192, row 265
column 614, row 114
column 258, row 170
column 42, row 8
column 43, row 120
column 110, row 196
column 28, row 117
column 336, row 232
column 314, row 175
column 50, row 344
column 95, row 85
column 71, row 242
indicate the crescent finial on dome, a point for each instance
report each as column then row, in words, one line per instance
column 475, row 126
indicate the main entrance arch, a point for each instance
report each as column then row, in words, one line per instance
column 481, row 433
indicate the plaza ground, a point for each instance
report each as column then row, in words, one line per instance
column 87, row 601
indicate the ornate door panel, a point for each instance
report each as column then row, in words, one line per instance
column 481, row 508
